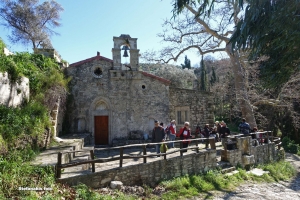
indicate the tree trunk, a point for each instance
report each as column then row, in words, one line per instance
column 241, row 87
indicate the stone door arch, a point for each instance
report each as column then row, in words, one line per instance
column 100, row 122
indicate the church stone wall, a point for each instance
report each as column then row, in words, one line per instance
column 130, row 99
column 197, row 103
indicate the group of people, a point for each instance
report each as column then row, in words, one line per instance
column 219, row 131
column 161, row 133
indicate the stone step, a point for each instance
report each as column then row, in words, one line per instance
column 232, row 173
column 63, row 145
column 228, row 170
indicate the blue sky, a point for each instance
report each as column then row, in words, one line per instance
column 89, row 26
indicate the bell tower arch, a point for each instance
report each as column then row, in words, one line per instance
column 125, row 40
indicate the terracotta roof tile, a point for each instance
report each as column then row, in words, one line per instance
column 98, row 57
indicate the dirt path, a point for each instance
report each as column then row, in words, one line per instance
column 283, row 190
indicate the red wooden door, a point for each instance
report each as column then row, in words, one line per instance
column 101, row 130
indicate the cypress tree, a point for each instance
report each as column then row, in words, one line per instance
column 203, row 83
column 187, row 63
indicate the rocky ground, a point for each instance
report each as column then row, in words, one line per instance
column 285, row 190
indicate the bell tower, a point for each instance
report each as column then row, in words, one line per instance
column 131, row 45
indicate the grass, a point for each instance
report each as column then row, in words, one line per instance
column 189, row 186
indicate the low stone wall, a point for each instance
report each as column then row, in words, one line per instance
column 149, row 173
column 246, row 154
column 13, row 94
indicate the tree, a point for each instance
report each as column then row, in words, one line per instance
column 203, row 83
column 187, row 63
column 208, row 35
column 213, row 77
column 31, row 22
column 268, row 29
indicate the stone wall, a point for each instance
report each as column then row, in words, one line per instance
column 149, row 173
column 197, row 103
column 13, row 94
column 130, row 99
column 245, row 154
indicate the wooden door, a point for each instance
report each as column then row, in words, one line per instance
column 101, row 130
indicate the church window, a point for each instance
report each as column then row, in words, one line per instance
column 97, row 72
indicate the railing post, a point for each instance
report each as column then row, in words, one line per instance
column 145, row 153
column 181, row 153
column 165, row 151
column 212, row 143
column 272, row 137
column 73, row 151
column 58, row 165
column 121, row 156
column 225, row 143
column 197, row 143
column 92, row 158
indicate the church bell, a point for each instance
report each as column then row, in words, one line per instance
column 125, row 48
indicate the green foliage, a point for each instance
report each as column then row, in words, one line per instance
column 278, row 41
column 203, row 83
column 279, row 171
column 187, row 63
column 2, row 46
column 213, row 78
column 15, row 174
column 290, row 146
column 32, row 119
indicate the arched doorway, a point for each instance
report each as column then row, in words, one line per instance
column 101, row 124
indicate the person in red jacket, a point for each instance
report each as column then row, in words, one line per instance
column 185, row 134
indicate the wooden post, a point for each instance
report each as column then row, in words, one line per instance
column 92, row 158
column 181, row 153
column 197, row 142
column 73, row 151
column 165, row 151
column 268, row 137
column 272, row 137
column 121, row 156
column 58, row 165
column 145, row 153
column 212, row 143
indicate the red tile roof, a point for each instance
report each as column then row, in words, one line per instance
column 98, row 57
column 166, row 81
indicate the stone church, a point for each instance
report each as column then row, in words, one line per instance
column 111, row 99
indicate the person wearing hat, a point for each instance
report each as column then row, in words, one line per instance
column 158, row 135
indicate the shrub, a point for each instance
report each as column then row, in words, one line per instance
column 290, row 146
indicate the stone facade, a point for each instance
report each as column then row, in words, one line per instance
column 193, row 105
column 129, row 99
column 13, row 94
column 149, row 173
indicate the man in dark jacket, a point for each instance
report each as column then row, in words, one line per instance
column 158, row 135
